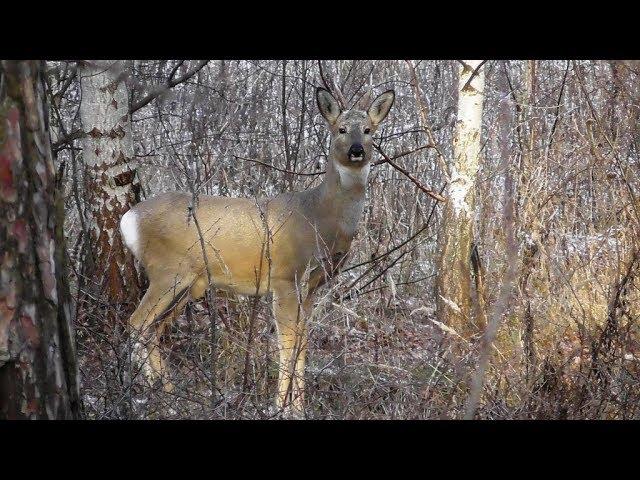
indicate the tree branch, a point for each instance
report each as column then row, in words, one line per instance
column 431, row 193
column 171, row 82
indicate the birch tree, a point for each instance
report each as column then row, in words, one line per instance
column 454, row 270
column 38, row 372
column 112, row 186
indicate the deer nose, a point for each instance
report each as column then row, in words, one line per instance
column 357, row 150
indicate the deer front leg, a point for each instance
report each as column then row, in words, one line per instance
column 292, row 346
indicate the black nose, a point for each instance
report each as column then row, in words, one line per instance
column 356, row 150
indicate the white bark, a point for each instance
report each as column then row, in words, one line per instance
column 108, row 142
column 108, row 155
column 466, row 142
column 454, row 266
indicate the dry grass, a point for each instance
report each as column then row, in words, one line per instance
column 564, row 347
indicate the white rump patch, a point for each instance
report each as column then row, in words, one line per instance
column 350, row 177
column 130, row 232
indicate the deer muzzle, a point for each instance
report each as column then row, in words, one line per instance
column 356, row 152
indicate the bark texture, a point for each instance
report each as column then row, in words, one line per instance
column 112, row 186
column 454, row 273
column 38, row 371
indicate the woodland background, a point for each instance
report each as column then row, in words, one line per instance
column 534, row 316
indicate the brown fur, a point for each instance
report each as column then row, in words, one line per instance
column 285, row 245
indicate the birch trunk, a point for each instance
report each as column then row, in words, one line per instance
column 453, row 284
column 112, row 186
column 38, row 370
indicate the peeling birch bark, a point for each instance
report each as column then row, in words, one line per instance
column 454, row 269
column 112, row 185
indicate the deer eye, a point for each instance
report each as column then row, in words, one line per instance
column 367, row 131
column 342, row 130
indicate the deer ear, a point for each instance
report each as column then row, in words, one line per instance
column 328, row 105
column 381, row 106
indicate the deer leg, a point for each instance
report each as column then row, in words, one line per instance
column 298, row 393
column 292, row 346
column 155, row 312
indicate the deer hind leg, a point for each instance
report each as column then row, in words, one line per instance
column 157, row 309
column 292, row 346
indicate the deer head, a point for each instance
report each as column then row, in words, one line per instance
column 352, row 130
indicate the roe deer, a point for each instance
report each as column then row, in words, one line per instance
column 287, row 245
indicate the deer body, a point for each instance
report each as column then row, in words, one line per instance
column 286, row 245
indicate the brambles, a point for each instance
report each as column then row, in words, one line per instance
column 564, row 133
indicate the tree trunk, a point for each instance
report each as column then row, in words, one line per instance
column 454, row 270
column 112, row 186
column 38, row 370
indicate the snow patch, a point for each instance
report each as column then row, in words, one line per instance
column 140, row 357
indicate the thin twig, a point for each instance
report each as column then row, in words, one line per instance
column 431, row 193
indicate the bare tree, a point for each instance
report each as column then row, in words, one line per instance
column 560, row 141
column 454, row 270
column 38, row 372
column 111, row 181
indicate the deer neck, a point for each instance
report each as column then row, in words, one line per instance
column 343, row 195
column 345, row 181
